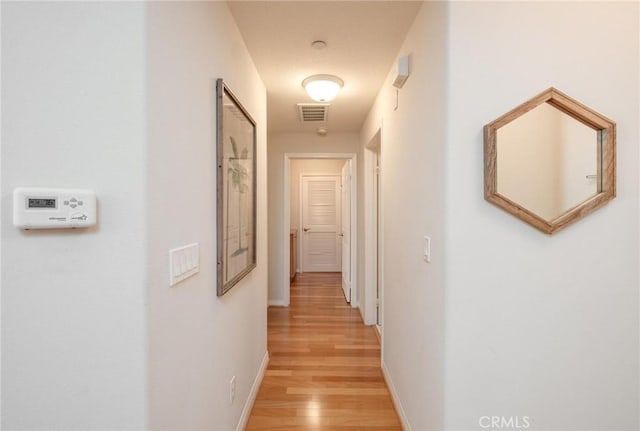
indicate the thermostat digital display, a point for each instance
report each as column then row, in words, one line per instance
column 48, row 208
column 41, row 203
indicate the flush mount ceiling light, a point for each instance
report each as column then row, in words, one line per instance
column 322, row 88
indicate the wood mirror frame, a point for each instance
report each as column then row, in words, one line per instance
column 606, row 161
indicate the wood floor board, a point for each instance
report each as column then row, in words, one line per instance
column 324, row 369
column 323, row 382
column 361, row 405
column 320, row 361
column 312, row 420
column 324, row 354
column 370, row 372
column 318, row 427
column 305, row 411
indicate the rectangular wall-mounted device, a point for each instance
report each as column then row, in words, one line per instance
column 51, row 208
column 403, row 72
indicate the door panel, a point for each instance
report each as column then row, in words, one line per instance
column 320, row 223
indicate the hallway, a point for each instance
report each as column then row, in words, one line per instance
column 324, row 370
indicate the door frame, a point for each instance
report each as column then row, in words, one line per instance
column 372, row 220
column 346, row 174
column 286, row 204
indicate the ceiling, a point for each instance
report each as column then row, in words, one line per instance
column 363, row 39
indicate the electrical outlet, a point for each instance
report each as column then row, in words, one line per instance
column 232, row 389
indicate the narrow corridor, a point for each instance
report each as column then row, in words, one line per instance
column 324, row 372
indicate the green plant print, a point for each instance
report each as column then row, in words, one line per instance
column 239, row 177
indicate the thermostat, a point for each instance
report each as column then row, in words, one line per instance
column 49, row 208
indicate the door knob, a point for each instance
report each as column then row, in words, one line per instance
column 306, row 229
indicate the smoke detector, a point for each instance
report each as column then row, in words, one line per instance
column 318, row 44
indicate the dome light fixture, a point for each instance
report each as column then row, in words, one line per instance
column 322, row 88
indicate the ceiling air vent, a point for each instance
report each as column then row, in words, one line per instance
column 313, row 112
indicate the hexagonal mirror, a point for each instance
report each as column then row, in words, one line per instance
column 550, row 161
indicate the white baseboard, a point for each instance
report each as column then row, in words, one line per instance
column 248, row 406
column 396, row 400
column 276, row 303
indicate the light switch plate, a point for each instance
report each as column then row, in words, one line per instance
column 183, row 263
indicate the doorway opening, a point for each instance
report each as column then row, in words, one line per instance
column 373, row 239
column 319, row 188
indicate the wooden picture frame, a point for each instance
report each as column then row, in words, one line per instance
column 236, row 190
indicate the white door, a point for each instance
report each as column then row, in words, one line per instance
column 345, row 233
column 321, row 223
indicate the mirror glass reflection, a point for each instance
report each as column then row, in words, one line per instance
column 547, row 161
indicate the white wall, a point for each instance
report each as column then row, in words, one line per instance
column 120, row 97
column 529, row 160
column 307, row 166
column 543, row 158
column 279, row 144
column 73, row 302
column 540, row 326
column 412, row 148
column 537, row 326
column 198, row 341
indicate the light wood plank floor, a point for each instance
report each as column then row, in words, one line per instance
column 324, row 372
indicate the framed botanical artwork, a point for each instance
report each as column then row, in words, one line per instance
column 236, row 190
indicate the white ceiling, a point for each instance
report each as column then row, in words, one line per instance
column 363, row 40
